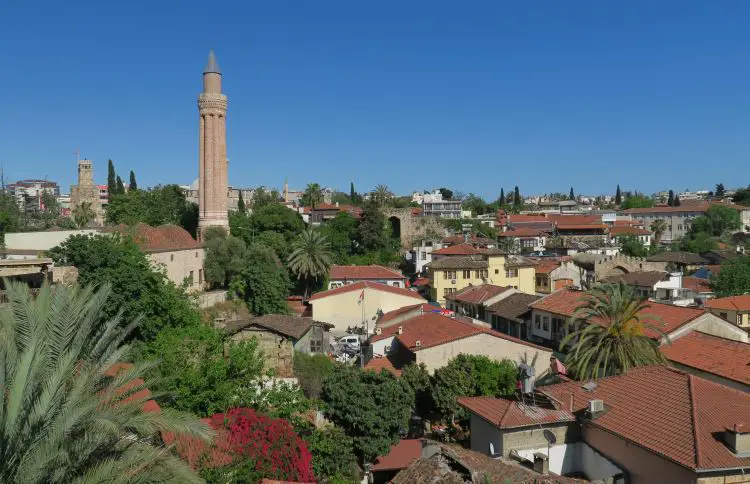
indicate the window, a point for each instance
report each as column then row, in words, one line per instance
column 724, row 316
column 545, row 323
column 200, row 276
column 450, row 274
column 511, row 272
column 497, row 271
column 538, row 321
column 448, row 291
column 395, row 284
column 424, row 256
column 196, row 254
column 316, row 346
column 428, row 243
column 529, row 243
column 191, row 277
column 679, row 227
column 467, row 274
column 484, row 273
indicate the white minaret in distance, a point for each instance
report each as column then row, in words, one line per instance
column 212, row 151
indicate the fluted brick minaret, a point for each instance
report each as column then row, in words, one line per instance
column 212, row 150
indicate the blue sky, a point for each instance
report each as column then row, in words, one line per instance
column 414, row 94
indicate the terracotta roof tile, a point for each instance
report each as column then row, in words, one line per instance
column 401, row 455
column 390, row 315
column 432, row 329
column 421, row 281
column 382, row 363
column 292, row 326
column 696, row 284
column 666, row 411
column 514, row 306
column 546, row 266
column 459, row 262
column 477, row 294
column 505, row 413
column 524, row 232
column 575, row 219
column 712, row 354
column 363, row 272
column 362, row 285
column 732, row 303
column 666, row 317
column 163, row 238
column 458, row 249
column 618, row 230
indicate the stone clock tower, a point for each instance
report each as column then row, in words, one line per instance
column 212, row 151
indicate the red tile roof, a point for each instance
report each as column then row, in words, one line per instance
column 458, row 249
column 523, row 232
column 546, row 266
column 576, row 219
column 671, row 413
column 362, row 285
column 568, row 226
column 666, row 317
column 627, row 230
column 526, row 218
column 477, row 294
column 505, row 413
column 421, row 281
column 732, row 303
column 696, row 284
column 433, row 329
column 363, row 272
column 163, row 238
column 390, row 315
column 712, row 354
column 382, row 363
column 400, row 456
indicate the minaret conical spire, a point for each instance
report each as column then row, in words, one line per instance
column 212, row 66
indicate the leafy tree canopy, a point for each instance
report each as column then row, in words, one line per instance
column 312, row 370
column 476, row 204
column 333, row 455
column 637, row 201
column 631, row 246
column 733, row 279
column 446, row 193
column 138, row 288
column 742, row 196
column 157, row 206
column 263, row 282
column 372, row 408
column 276, row 218
column 340, row 232
column 263, row 197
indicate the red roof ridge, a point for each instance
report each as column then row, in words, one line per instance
column 361, row 285
column 694, row 420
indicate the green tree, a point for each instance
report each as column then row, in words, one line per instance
column 696, row 242
column 275, row 241
column 313, row 196
column 670, row 199
column 371, row 234
column 310, row 258
column 382, row 196
column 733, row 279
column 353, row 195
column 618, row 342
column 312, row 370
column 65, row 417
column 677, row 201
column 133, row 185
column 111, row 179
column 241, row 204
column 263, row 283
column 446, row 193
column 276, row 218
column 372, row 408
column 517, row 202
column 631, row 246
column 720, row 191
column 83, row 214
column 502, row 197
column 618, row 196
column 476, row 204
column 719, row 219
column 471, row 375
column 263, row 197
column 194, row 373
column 742, row 196
column 120, row 186
column 225, row 257
column 158, row 206
column 138, row 288
column 334, row 460
column 637, row 201
column 341, row 233
column 658, row 227
column 572, row 195
column 418, row 379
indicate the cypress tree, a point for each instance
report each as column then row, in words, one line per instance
column 111, row 179
column 502, row 196
column 516, row 197
column 352, row 193
column 670, row 200
column 120, row 187
column 572, row 195
column 133, row 184
column 618, row 196
column 241, row 204
column 677, row 202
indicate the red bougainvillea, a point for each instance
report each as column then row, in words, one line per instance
column 254, row 445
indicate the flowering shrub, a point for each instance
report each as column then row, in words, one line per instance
column 250, row 446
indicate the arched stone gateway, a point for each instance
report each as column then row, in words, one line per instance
column 410, row 227
column 613, row 265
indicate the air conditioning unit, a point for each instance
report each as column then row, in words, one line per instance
column 388, row 349
column 596, row 406
column 417, row 343
column 453, row 281
column 378, row 330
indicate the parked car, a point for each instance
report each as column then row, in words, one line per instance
column 350, row 341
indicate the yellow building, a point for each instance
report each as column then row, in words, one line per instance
column 450, row 274
column 735, row 309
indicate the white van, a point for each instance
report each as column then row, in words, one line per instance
column 351, row 340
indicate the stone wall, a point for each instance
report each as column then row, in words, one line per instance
column 278, row 351
column 613, row 265
column 533, row 437
column 414, row 227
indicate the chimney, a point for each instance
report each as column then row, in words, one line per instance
column 400, row 330
column 337, row 204
column 572, row 402
column 737, row 439
column 541, row 463
column 378, row 330
column 418, row 343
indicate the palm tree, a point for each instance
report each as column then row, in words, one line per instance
column 313, row 195
column 658, row 227
column 70, row 412
column 310, row 258
column 610, row 339
column 382, row 195
column 83, row 213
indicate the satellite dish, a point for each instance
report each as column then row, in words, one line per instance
column 550, row 437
